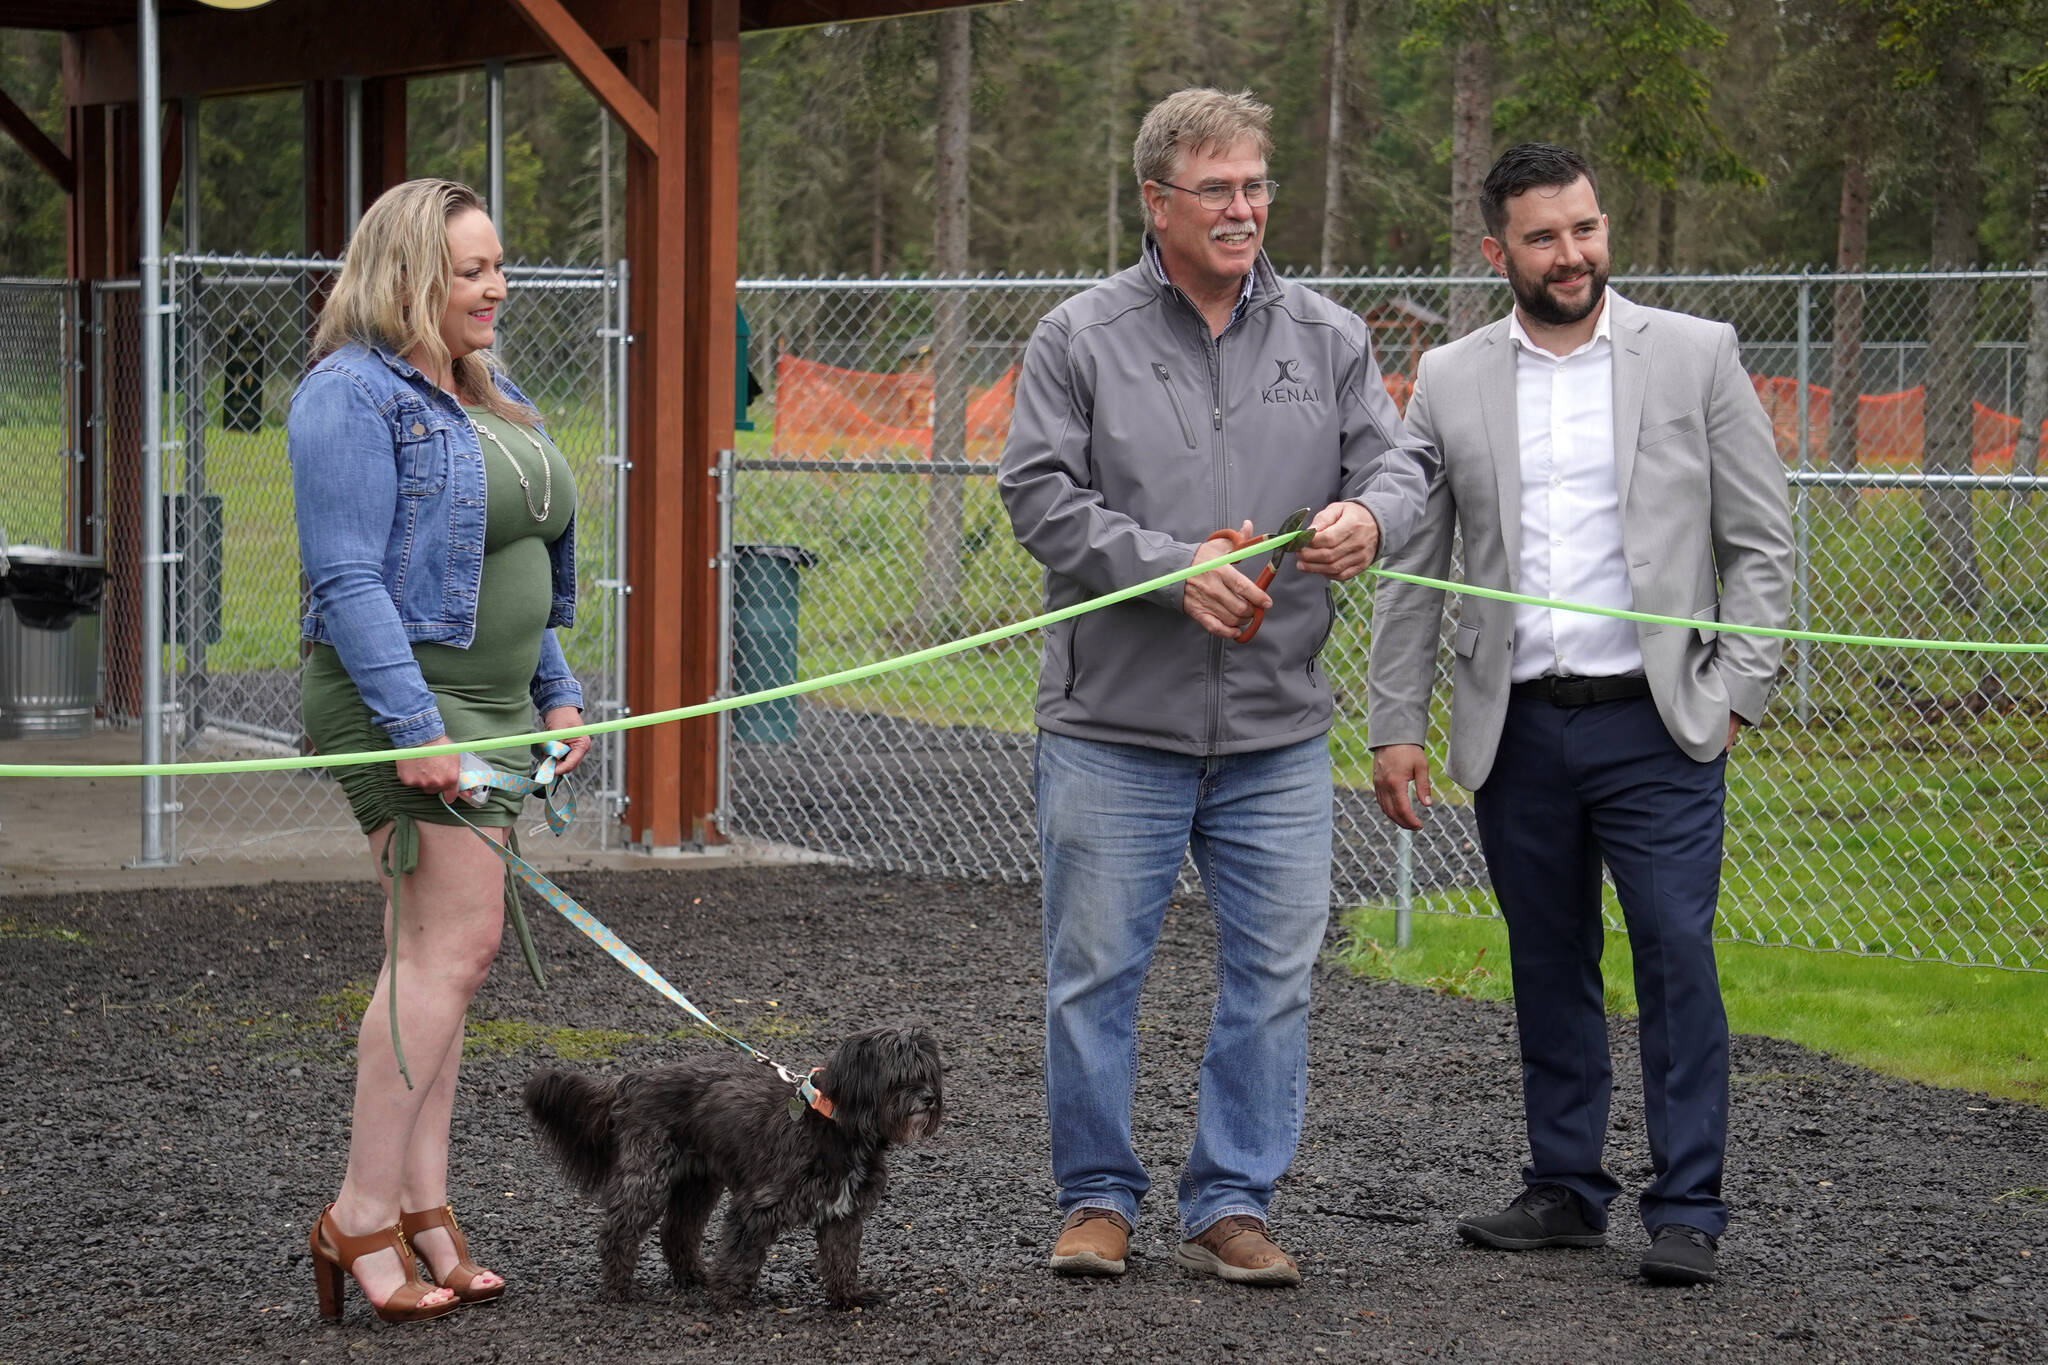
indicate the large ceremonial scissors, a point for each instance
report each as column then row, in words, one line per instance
column 1239, row 541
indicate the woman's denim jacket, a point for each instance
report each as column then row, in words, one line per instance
column 389, row 483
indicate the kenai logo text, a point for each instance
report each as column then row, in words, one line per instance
column 1289, row 387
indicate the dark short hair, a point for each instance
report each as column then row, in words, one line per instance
column 1524, row 167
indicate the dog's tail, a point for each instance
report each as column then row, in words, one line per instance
column 574, row 1114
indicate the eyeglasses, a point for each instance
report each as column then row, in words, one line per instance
column 1257, row 193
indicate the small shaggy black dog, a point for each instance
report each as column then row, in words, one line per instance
column 662, row 1144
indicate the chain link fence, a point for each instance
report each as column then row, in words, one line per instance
column 237, row 339
column 40, row 463
column 1893, row 802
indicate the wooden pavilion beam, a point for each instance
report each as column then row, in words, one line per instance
column 34, row 141
column 221, row 52
column 759, row 14
column 593, row 67
column 282, row 46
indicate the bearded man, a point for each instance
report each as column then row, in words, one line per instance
column 1596, row 452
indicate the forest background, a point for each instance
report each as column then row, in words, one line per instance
column 1729, row 134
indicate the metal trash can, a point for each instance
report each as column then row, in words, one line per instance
column 49, row 642
column 764, row 616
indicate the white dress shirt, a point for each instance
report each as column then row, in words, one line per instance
column 1571, row 515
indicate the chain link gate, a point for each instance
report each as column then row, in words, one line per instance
column 237, row 342
column 41, row 333
column 1893, row 802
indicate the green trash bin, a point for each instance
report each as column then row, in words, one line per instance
column 764, row 616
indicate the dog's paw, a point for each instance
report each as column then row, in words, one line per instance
column 620, row 1293
column 862, row 1296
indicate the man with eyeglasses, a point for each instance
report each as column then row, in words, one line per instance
column 1189, row 400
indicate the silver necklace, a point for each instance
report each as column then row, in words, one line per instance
column 547, row 490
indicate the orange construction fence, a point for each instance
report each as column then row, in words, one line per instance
column 822, row 411
column 1891, row 428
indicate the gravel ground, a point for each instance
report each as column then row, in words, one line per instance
column 177, row 1083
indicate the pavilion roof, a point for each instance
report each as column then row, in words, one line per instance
column 73, row 16
column 209, row 51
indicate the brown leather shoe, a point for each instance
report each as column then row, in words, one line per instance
column 1237, row 1249
column 1092, row 1242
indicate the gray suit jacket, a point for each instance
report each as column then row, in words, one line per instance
column 1704, row 529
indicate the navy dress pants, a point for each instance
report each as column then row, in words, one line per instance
column 1571, row 787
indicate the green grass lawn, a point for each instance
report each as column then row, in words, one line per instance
column 33, row 506
column 1971, row 1028
column 251, row 474
column 1871, row 828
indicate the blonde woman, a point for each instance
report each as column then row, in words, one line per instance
column 437, row 529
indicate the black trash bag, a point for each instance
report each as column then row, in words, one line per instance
column 52, row 596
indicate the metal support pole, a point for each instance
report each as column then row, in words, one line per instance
column 1875, row 478
column 193, row 343
column 154, row 852
column 726, row 490
column 611, row 334
column 77, row 435
column 351, row 153
column 188, row 384
column 622, row 340
column 494, row 138
column 98, row 453
column 1404, row 886
column 1802, row 517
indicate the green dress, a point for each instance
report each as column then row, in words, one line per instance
column 482, row 690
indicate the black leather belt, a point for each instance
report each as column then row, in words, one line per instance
column 1582, row 691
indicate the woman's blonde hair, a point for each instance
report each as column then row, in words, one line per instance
column 394, row 288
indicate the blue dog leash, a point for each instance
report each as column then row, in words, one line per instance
column 559, row 802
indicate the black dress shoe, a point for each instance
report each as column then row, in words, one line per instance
column 1679, row 1254
column 1542, row 1216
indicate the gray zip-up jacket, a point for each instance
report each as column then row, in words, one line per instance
column 1137, row 434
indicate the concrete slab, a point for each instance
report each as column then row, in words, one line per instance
column 84, row 834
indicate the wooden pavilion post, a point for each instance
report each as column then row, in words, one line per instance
column 712, row 259
column 383, row 136
column 660, row 548
column 679, row 100
column 681, row 407
column 85, row 256
column 326, row 207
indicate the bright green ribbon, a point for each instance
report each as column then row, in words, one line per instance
column 1689, row 622
column 853, row 675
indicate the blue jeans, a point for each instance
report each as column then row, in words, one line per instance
column 1114, row 822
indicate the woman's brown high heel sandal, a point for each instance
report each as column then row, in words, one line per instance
column 334, row 1252
column 462, row 1279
